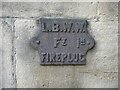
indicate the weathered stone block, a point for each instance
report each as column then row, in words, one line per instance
column 101, row 70
column 0, row 53
column 7, row 54
column 0, row 9
column 108, row 11
column 105, row 53
column 50, row 9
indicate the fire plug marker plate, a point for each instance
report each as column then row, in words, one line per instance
column 62, row 41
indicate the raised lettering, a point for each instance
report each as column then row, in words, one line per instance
column 70, row 57
column 82, row 40
column 55, row 27
column 80, row 27
column 56, row 42
column 68, row 27
column 76, row 57
column 44, row 57
column 64, row 56
column 52, row 57
column 58, row 57
column 64, row 41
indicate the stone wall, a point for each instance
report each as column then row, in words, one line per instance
column 20, row 62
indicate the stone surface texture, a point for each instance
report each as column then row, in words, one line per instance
column 21, row 63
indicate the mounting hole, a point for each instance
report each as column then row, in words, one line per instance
column 38, row 42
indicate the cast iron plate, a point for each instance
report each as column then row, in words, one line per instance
column 63, row 41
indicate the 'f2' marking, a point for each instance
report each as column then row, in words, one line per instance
column 58, row 41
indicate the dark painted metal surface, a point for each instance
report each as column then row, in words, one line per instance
column 63, row 41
